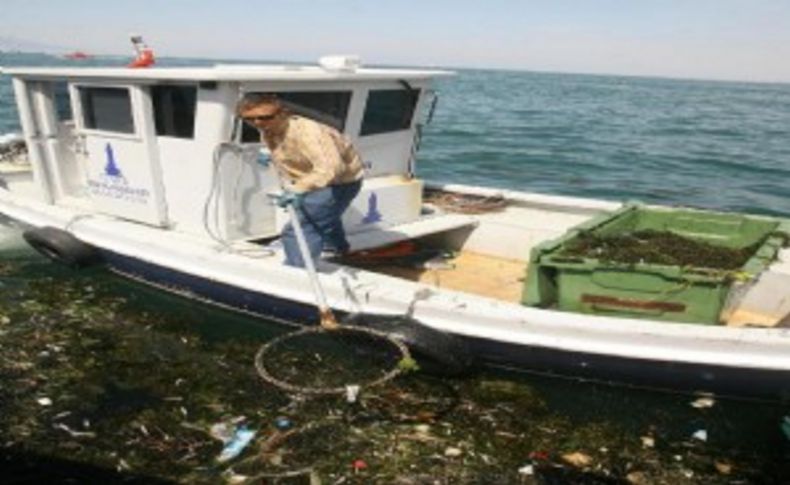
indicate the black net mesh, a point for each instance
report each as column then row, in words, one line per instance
column 319, row 361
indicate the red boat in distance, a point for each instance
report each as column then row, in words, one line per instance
column 77, row 56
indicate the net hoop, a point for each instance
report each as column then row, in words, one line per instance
column 267, row 376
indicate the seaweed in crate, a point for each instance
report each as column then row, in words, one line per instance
column 657, row 247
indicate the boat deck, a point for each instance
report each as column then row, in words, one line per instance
column 503, row 279
column 479, row 274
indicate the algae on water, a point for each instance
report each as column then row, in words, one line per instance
column 101, row 375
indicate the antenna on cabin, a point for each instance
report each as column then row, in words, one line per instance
column 144, row 55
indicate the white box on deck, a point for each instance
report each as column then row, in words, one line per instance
column 382, row 202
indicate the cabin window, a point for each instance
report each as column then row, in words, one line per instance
column 62, row 101
column 107, row 109
column 328, row 107
column 174, row 110
column 388, row 110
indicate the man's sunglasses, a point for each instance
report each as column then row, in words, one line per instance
column 253, row 119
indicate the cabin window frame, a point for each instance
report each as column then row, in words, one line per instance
column 344, row 122
column 194, row 107
column 415, row 93
column 79, row 110
column 62, row 102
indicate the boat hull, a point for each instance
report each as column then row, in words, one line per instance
column 646, row 373
column 251, row 279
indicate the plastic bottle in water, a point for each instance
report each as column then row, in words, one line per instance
column 241, row 438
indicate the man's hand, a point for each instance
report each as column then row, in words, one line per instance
column 328, row 319
column 289, row 198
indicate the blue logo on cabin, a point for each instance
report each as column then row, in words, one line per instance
column 111, row 168
column 373, row 214
column 111, row 184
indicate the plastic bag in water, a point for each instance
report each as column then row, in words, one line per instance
column 241, row 438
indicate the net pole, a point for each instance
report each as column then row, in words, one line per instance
column 327, row 317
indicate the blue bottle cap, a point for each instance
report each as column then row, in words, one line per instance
column 282, row 423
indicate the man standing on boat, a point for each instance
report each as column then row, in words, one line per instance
column 320, row 169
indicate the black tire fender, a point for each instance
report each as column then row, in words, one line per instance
column 61, row 246
column 437, row 353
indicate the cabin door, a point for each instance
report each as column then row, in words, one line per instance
column 116, row 126
column 45, row 124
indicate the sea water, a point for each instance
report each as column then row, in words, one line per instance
column 106, row 380
column 720, row 145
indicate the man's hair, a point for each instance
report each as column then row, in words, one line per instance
column 255, row 99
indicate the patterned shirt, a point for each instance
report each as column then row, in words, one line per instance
column 311, row 155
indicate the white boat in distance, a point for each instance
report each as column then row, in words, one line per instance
column 150, row 172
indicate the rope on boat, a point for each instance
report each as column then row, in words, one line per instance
column 267, row 375
column 466, row 203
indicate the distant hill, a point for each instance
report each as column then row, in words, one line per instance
column 13, row 44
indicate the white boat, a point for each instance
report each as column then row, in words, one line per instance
column 151, row 170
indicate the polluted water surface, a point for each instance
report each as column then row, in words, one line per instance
column 105, row 381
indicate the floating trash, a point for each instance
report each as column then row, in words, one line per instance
column 637, row 478
column 74, row 433
column 223, row 432
column 786, row 427
column 527, row 470
column 648, row 441
column 539, row 455
column 110, row 410
column 577, row 459
column 453, row 452
column 352, row 393
column 241, row 438
column 235, row 478
column 700, row 434
column 282, row 423
column 293, row 453
column 703, row 402
column 724, row 468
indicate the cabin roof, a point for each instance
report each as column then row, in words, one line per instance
column 226, row 72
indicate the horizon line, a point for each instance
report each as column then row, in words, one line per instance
column 61, row 51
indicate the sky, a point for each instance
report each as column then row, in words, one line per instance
column 707, row 39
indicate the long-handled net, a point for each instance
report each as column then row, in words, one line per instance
column 332, row 358
column 316, row 361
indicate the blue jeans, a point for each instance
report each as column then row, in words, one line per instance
column 320, row 214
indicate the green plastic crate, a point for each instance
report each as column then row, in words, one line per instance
column 661, row 292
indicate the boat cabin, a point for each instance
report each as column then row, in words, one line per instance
column 164, row 147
